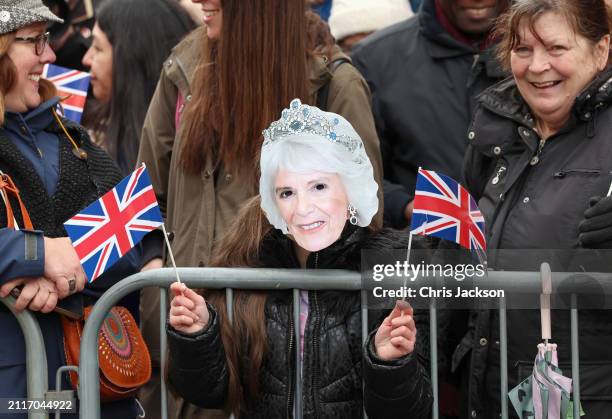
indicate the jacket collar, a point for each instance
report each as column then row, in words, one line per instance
column 183, row 61
column 276, row 251
column 505, row 100
column 442, row 44
column 37, row 119
column 318, row 70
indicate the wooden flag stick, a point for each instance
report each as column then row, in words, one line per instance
column 408, row 260
column 170, row 253
column 409, row 247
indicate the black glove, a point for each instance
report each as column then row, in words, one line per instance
column 595, row 230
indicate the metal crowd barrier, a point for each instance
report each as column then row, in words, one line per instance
column 266, row 279
column 36, row 357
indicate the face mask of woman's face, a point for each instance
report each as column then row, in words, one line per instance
column 314, row 206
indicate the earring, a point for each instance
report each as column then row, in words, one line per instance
column 352, row 214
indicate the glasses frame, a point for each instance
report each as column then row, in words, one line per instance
column 40, row 42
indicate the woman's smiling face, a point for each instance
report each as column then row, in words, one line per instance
column 552, row 68
column 314, row 206
column 23, row 95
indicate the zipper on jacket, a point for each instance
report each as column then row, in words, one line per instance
column 540, row 147
column 290, row 359
column 498, row 175
column 563, row 173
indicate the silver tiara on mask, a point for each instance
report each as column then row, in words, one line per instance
column 299, row 118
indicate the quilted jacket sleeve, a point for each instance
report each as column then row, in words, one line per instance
column 197, row 368
column 400, row 387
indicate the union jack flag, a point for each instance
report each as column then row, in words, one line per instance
column 443, row 208
column 108, row 228
column 71, row 85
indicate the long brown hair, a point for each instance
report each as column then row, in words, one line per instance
column 245, row 78
column 246, row 337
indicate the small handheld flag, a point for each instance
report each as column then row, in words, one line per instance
column 109, row 227
column 71, row 85
column 445, row 209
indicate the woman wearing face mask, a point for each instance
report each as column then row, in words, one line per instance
column 538, row 162
column 58, row 171
column 318, row 193
column 131, row 40
column 217, row 92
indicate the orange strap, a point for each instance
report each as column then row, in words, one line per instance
column 7, row 187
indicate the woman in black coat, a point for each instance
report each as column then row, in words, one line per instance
column 539, row 162
column 316, row 185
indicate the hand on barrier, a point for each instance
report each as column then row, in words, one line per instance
column 37, row 294
column 595, row 230
column 188, row 311
column 396, row 336
column 63, row 267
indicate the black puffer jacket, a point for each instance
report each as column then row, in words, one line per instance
column 533, row 196
column 334, row 359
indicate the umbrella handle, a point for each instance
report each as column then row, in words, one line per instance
column 546, row 276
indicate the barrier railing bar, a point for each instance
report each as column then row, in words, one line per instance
column 36, row 357
column 255, row 279
column 503, row 357
column 575, row 357
column 197, row 278
column 163, row 345
column 433, row 348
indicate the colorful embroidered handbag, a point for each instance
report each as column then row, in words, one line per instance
column 125, row 363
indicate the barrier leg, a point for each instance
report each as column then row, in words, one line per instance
column 503, row 357
column 163, row 350
column 36, row 357
column 229, row 303
column 297, row 402
column 433, row 348
column 364, row 329
column 575, row 358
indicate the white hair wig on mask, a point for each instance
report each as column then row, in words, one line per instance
column 307, row 140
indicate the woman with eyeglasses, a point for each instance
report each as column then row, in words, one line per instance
column 53, row 167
